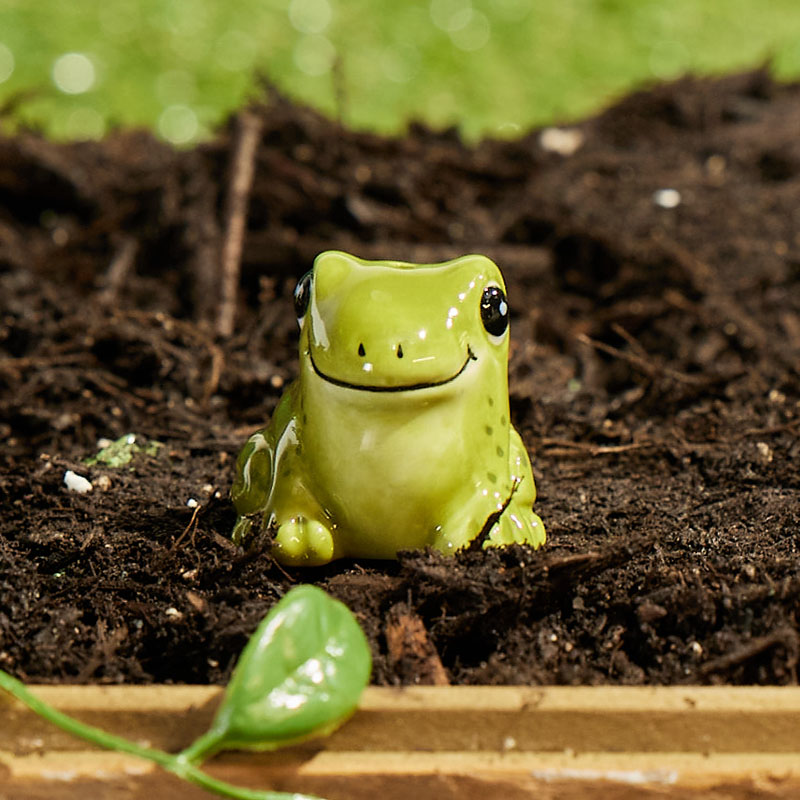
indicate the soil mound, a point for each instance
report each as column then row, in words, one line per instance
column 654, row 278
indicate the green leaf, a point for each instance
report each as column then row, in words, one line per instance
column 301, row 674
column 122, row 451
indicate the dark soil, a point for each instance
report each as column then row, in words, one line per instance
column 654, row 378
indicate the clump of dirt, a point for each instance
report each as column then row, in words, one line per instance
column 653, row 375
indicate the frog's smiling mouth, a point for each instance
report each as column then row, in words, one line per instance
column 408, row 387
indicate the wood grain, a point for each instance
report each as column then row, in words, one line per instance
column 435, row 742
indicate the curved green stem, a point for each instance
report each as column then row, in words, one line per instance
column 177, row 765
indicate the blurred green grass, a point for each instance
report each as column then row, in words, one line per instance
column 492, row 67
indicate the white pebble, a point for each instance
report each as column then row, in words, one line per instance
column 564, row 141
column 77, row 483
column 207, row 488
column 667, row 198
column 192, row 503
column 764, row 452
column 102, row 443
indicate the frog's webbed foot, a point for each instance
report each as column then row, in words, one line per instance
column 517, row 525
column 302, row 542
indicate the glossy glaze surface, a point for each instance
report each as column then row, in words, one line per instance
column 396, row 433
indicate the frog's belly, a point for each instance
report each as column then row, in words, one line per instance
column 390, row 487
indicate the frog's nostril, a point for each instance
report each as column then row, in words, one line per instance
column 399, row 351
column 361, row 350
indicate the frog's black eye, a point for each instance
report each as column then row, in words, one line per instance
column 494, row 310
column 302, row 294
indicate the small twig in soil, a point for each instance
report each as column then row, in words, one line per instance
column 217, row 362
column 187, row 528
column 573, row 562
column 565, row 447
column 630, row 339
column 118, row 271
column 784, row 636
column 645, row 365
column 243, row 169
column 477, row 543
column 40, row 362
column 285, row 574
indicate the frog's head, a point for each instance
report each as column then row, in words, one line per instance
column 388, row 326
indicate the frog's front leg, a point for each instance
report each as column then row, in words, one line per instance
column 304, row 536
column 303, row 542
column 462, row 521
column 270, row 491
column 518, row 524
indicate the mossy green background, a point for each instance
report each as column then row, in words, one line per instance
column 489, row 66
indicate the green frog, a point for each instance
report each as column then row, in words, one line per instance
column 396, row 434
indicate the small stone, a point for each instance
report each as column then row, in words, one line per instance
column 192, row 503
column 696, row 648
column 103, row 483
column 207, row 488
column 197, row 602
column 777, row 397
column 764, row 452
column 173, row 613
column 650, row 612
column 563, row 141
column 667, row 198
column 77, row 483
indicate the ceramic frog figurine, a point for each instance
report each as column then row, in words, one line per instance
column 396, row 434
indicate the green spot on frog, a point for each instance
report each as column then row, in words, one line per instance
column 357, row 433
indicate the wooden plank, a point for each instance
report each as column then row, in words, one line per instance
column 437, row 742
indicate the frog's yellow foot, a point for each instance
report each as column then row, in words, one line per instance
column 301, row 542
column 516, row 526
